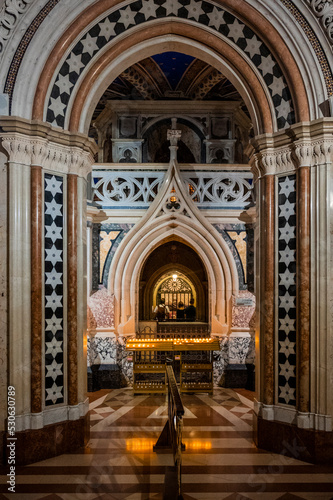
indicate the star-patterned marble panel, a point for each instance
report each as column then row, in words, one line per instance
column 287, row 290
column 53, row 289
column 140, row 11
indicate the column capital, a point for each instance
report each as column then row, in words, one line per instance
column 18, row 148
column 322, row 151
column 37, row 143
column 271, row 162
column 303, row 151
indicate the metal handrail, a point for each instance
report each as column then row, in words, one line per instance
column 171, row 435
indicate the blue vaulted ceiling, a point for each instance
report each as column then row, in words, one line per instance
column 173, row 65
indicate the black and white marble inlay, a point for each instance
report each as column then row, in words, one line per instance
column 53, row 289
column 110, row 351
column 135, row 13
column 287, row 290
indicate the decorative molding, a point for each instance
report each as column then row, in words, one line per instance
column 37, row 151
column 289, row 415
column 304, row 146
column 313, row 40
column 323, row 10
column 127, row 17
column 23, row 45
column 322, row 152
column 304, row 154
column 51, row 416
column 10, row 13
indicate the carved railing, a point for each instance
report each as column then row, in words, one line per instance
column 137, row 189
column 125, row 189
column 220, row 189
column 171, row 438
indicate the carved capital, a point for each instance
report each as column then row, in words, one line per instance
column 304, row 154
column 284, row 161
column 174, row 136
column 47, row 154
column 57, row 158
column 18, row 149
column 39, row 152
column 322, row 152
column 267, row 163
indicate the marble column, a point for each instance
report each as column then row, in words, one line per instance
column 72, row 326
column 82, row 285
column 303, row 288
column 36, row 287
column 19, row 285
column 267, row 295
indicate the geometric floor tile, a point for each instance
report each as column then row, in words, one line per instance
column 220, row 461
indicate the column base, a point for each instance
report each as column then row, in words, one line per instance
column 34, row 445
column 309, row 445
column 238, row 376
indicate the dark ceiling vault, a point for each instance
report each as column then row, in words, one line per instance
column 169, row 75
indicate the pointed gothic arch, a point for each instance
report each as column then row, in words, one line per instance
column 163, row 221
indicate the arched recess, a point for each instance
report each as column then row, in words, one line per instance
column 250, row 16
column 159, row 225
column 175, row 36
column 197, row 278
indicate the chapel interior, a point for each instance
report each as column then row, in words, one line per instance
column 160, row 157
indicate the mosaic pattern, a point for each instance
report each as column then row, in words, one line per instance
column 221, row 360
column 240, row 241
column 223, row 229
column 317, row 48
column 141, row 11
column 123, row 230
column 23, row 45
column 53, row 288
column 287, row 290
column 107, row 238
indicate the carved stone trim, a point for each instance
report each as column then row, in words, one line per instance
column 304, row 154
column 10, row 13
column 322, row 152
column 50, row 156
column 323, row 10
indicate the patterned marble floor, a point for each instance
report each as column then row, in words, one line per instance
column 220, row 461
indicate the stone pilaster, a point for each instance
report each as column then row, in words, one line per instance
column 19, row 276
column 45, row 166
